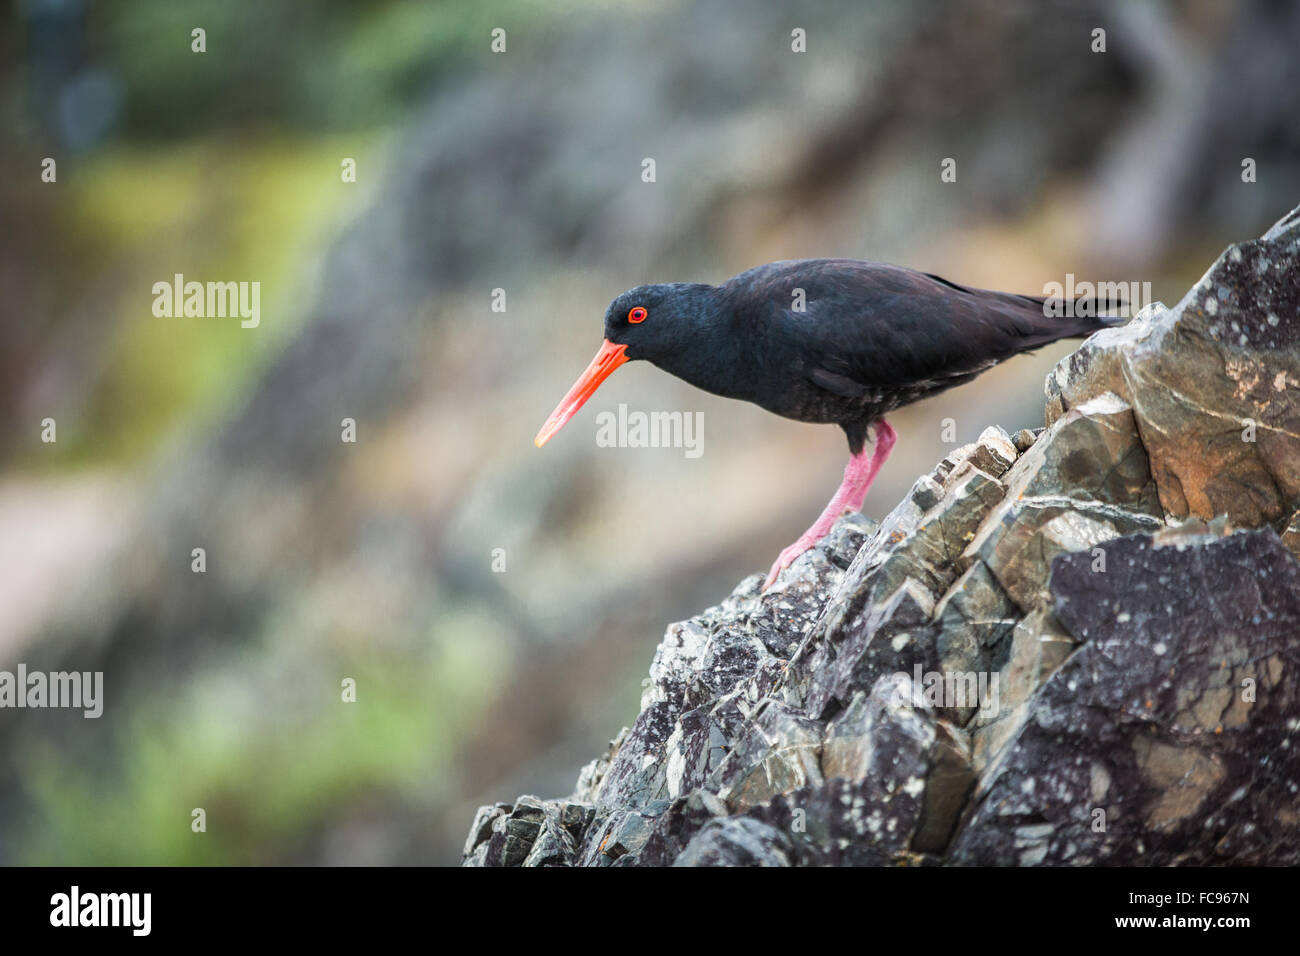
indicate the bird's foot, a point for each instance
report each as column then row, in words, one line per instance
column 786, row 557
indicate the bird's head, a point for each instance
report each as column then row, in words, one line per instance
column 652, row 322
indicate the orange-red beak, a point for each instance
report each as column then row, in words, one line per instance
column 609, row 357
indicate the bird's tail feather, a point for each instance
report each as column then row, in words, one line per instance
column 1084, row 315
column 1080, row 316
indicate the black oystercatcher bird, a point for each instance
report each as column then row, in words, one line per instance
column 869, row 338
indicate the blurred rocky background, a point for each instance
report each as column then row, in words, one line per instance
column 480, row 171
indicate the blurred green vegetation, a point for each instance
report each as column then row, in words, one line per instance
column 226, row 166
column 268, row 764
column 227, row 163
column 250, row 215
column 239, row 212
column 315, row 64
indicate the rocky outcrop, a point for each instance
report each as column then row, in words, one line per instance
column 1072, row 647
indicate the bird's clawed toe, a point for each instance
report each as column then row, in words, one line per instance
column 786, row 558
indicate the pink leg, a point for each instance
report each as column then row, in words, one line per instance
column 859, row 473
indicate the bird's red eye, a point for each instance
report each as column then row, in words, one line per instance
column 636, row 315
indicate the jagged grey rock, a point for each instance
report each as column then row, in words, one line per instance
column 1212, row 384
column 1073, row 646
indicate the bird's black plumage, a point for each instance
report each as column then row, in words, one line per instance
column 871, row 337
